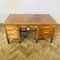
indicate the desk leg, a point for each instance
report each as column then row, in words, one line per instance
column 37, row 35
column 8, row 40
column 51, row 40
column 19, row 41
column 6, row 34
column 19, row 33
column 36, row 41
column 7, row 37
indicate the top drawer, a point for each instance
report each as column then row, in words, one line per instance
column 47, row 26
column 11, row 27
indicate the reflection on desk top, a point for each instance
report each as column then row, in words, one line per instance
column 29, row 19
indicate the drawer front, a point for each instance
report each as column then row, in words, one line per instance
column 11, row 27
column 47, row 31
column 28, row 26
column 43, row 32
column 46, row 27
column 45, row 36
column 12, row 32
column 13, row 37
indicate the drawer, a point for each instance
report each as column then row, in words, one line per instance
column 28, row 26
column 47, row 27
column 47, row 36
column 47, row 32
column 44, row 31
column 12, row 36
column 12, row 32
column 11, row 27
column 23, row 26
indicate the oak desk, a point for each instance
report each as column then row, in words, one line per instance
column 44, row 24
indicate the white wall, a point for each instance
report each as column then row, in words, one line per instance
column 30, row 6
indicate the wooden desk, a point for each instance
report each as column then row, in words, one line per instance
column 43, row 23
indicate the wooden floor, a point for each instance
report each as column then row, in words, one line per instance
column 28, row 49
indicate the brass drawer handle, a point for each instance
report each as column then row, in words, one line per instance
column 33, row 26
column 45, row 32
column 47, row 27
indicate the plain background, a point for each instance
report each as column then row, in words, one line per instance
column 51, row 7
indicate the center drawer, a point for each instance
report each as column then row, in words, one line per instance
column 27, row 26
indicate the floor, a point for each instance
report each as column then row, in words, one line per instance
column 28, row 49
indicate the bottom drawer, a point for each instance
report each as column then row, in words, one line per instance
column 13, row 37
column 45, row 36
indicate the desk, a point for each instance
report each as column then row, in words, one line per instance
column 44, row 24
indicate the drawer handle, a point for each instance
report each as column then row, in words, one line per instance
column 47, row 27
column 46, row 32
column 33, row 26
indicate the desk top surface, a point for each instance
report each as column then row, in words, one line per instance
column 29, row 19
